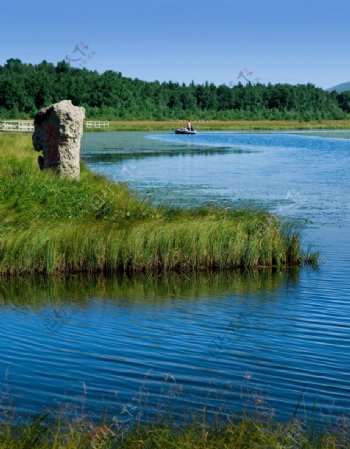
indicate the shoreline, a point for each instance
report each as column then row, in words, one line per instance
column 53, row 225
column 225, row 125
column 213, row 125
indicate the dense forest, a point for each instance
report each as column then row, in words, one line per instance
column 25, row 88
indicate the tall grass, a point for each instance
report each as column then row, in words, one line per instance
column 242, row 434
column 51, row 225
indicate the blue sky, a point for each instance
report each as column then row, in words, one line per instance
column 290, row 41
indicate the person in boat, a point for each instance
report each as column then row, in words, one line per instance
column 189, row 126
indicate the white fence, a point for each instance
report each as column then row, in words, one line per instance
column 95, row 124
column 27, row 126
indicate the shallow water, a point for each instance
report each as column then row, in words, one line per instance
column 270, row 342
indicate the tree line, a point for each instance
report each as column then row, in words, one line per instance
column 26, row 88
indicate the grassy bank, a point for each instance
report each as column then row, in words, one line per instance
column 243, row 434
column 51, row 225
column 228, row 125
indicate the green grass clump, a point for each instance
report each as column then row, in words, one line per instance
column 52, row 225
column 243, row 434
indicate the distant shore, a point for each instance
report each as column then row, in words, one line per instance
column 214, row 125
column 225, row 125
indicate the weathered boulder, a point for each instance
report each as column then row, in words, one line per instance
column 58, row 132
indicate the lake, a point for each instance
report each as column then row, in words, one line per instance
column 270, row 342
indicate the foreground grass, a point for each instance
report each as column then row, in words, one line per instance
column 226, row 125
column 51, row 225
column 243, row 434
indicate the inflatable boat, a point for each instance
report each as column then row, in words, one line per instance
column 185, row 131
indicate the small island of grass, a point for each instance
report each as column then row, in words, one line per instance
column 52, row 225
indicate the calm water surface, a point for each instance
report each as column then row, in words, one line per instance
column 225, row 343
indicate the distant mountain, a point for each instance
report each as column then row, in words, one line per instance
column 340, row 87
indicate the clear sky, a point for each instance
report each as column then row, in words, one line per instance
column 294, row 41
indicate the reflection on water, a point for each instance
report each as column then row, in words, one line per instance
column 98, row 342
column 260, row 341
column 226, row 342
column 37, row 292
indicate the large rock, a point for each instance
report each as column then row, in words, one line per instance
column 58, row 131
